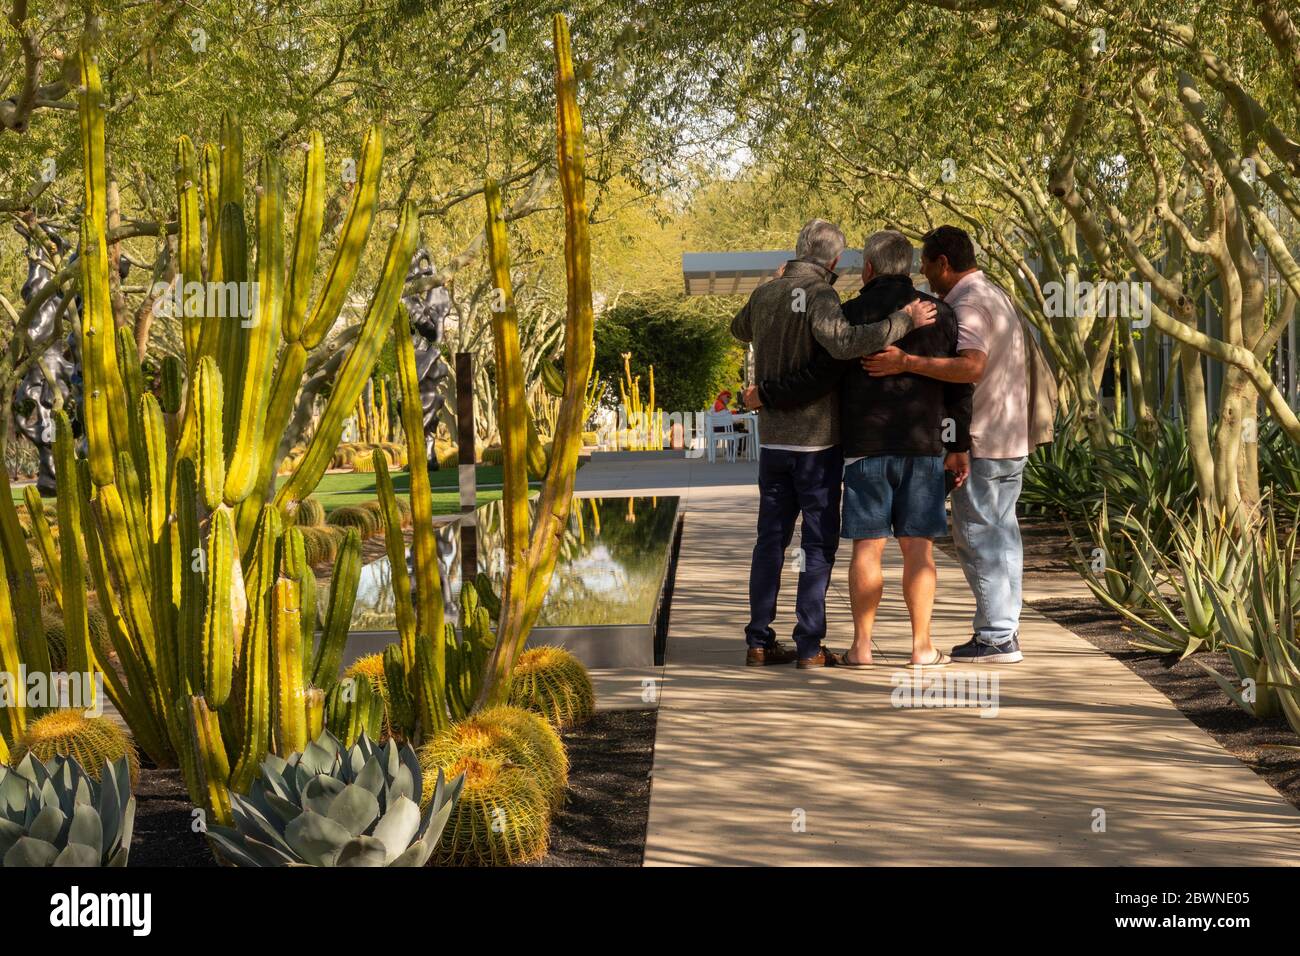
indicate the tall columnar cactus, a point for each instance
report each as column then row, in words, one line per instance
column 424, row 655
column 200, row 589
column 444, row 688
column 338, row 615
column 530, row 560
column 467, row 658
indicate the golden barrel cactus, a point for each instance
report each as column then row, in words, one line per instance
column 91, row 741
column 502, row 817
column 552, row 682
column 519, row 737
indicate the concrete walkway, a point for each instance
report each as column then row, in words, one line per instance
column 1080, row 762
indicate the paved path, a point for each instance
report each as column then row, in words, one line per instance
column 780, row 766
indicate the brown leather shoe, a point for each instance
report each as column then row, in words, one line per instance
column 824, row 658
column 776, row 654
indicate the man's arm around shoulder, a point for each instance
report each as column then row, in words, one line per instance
column 966, row 367
column 845, row 341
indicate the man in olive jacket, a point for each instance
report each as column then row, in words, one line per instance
column 800, row 463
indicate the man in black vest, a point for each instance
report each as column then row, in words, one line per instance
column 899, row 434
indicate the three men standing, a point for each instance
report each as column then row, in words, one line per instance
column 906, row 415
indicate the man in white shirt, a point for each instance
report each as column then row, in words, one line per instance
column 991, row 354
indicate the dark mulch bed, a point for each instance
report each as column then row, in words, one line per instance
column 603, row 822
column 1188, row 687
column 164, row 832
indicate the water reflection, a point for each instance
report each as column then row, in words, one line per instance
column 610, row 569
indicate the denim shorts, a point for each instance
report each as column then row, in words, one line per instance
column 902, row 495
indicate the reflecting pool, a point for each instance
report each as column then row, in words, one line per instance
column 610, row 572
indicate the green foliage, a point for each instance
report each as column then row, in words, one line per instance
column 1279, row 464
column 1256, row 610
column 1061, row 479
column 56, row 814
column 687, row 340
column 331, row 806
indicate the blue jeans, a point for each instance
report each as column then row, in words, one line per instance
column 987, row 536
column 791, row 483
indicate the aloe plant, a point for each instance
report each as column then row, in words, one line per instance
column 1256, row 612
column 1061, row 477
column 1205, row 552
column 331, row 806
column 1115, row 567
column 1152, row 478
column 56, row 814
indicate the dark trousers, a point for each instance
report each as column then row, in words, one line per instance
column 791, row 483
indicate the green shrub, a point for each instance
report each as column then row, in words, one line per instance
column 687, row 340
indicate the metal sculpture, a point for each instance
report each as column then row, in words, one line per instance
column 54, row 378
column 428, row 310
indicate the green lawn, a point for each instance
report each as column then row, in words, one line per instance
column 353, row 488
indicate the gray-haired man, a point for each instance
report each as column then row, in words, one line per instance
column 800, row 463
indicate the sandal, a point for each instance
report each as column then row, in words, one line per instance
column 845, row 662
column 941, row 660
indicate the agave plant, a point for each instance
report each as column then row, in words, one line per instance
column 328, row 806
column 1150, row 477
column 1279, row 461
column 56, row 814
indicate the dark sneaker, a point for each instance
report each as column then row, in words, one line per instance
column 825, row 657
column 973, row 652
column 777, row 653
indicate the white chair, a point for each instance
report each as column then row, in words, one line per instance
column 750, row 435
column 720, row 427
